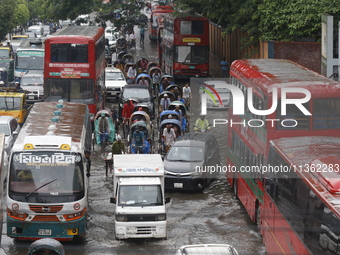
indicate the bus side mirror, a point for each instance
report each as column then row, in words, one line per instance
column 167, row 200
column 112, row 200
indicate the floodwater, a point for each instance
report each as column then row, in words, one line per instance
column 212, row 216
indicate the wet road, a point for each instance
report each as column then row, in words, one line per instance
column 212, row 216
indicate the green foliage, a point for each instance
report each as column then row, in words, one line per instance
column 12, row 13
column 267, row 19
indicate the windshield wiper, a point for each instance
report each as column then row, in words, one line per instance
column 39, row 188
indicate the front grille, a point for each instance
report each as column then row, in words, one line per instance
column 45, row 218
column 46, row 209
column 191, row 71
column 141, row 217
column 113, row 89
column 145, row 230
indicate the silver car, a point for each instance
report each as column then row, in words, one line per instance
column 207, row 249
column 10, row 127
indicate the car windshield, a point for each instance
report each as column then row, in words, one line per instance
column 185, row 154
column 135, row 92
column 29, row 81
column 114, row 76
column 4, row 128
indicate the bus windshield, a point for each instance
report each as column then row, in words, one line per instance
column 29, row 60
column 192, row 54
column 137, row 195
column 70, row 90
column 10, row 103
column 61, row 173
column 69, row 53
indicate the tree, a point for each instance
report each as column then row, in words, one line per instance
column 12, row 13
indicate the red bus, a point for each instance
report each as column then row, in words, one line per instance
column 249, row 134
column 300, row 213
column 157, row 12
column 75, row 63
column 185, row 45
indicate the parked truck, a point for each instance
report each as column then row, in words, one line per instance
column 140, row 205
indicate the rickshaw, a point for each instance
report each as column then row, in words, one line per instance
column 176, row 125
column 143, row 127
column 143, row 116
column 128, row 57
column 125, row 122
column 168, row 114
column 172, row 88
column 46, row 246
column 165, row 81
column 150, row 65
column 144, row 107
column 111, row 134
column 126, row 69
column 184, row 121
column 119, row 63
column 142, row 63
column 156, row 79
column 146, row 77
column 121, row 44
column 170, row 95
column 121, row 54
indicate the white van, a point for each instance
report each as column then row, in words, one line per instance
column 37, row 29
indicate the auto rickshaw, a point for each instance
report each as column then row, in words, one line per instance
column 142, row 126
column 46, row 246
column 176, row 125
column 165, row 81
column 111, row 134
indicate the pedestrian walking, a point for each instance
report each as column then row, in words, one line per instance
column 142, row 33
column 224, row 67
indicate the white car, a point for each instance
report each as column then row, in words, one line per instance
column 114, row 82
column 112, row 40
column 33, row 83
column 10, row 127
column 207, row 249
column 222, row 91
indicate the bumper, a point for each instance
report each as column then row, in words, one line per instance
column 154, row 229
column 62, row 231
column 184, row 183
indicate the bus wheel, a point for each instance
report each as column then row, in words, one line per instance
column 235, row 187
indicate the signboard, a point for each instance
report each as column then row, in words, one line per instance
column 191, row 40
column 70, row 74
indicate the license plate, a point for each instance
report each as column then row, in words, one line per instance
column 45, row 232
column 178, row 185
column 30, row 97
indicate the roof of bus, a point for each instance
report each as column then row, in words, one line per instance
column 38, row 123
column 184, row 16
column 269, row 73
column 85, row 32
column 320, row 152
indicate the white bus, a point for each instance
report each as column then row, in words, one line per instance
column 47, row 184
column 29, row 56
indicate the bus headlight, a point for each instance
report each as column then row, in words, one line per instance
column 121, row 218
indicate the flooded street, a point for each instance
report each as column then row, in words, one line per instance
column 212, row 216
